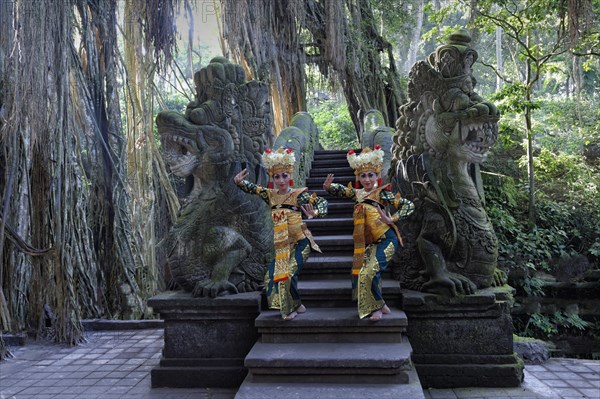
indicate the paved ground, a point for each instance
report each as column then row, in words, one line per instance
column 117, row 364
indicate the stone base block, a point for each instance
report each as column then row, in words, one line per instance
column 199, row 373
column 458, row 372
column 465, row 341
column 206, row 340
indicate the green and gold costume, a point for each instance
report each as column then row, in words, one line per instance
column 374, row 241
column 292, row 240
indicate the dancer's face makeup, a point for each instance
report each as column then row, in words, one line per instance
column 368, row 179
column 282, row 181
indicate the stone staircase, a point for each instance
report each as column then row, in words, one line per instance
column 328, row 352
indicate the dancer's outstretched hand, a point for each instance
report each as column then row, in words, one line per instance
column 237, row 179
column 309, row 210
column 328, row 181
column 384, row 216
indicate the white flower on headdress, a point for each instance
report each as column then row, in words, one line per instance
column 281, row 160
column 367, row 160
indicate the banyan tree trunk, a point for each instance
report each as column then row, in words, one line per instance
column 275, row 39
column 49, row 269
column 262, row 36
column 81, row 195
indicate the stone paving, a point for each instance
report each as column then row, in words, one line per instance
column 117, row 364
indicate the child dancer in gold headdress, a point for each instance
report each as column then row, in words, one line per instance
column 292, row 239
column 375, row 234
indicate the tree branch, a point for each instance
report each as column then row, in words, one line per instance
column 496, row 72
column 589, row 53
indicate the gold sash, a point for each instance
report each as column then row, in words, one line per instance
column 359, row 238
column 365, row 235
column 288, row 230
column 282, row 245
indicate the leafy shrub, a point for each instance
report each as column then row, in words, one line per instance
column 562, row 228
column 543, row 326
column 336, row 130
column 566, row 125
column 567, row 187
column 567, row 178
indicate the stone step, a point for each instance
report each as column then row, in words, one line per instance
column 329, row 163
column 305, row 390
column 328, row 252
column 335, row 153
column 320, row 362
column 331, row 225
column 322, row 193
column 331, row 325
column 334, row 241
column 323, row 172
column 318, row 180
column 328, row 266
column 338, row 207
column 326, row 261
column 328, row 157
column 312, row 272
column 348, row 203
column 331, row 153
column 337, row 292
column 331, row 265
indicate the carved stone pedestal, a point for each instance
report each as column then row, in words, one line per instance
column 206, row 340
column 463, row 342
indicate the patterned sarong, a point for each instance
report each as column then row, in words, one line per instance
column 359, row 239
column 282, row 245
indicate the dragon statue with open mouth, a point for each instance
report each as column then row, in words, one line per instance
column 221, row 242
column 442, row 136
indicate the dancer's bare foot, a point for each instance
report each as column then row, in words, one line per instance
column 301, row 309
column 385, row 310
column 291, row 316
column 376, row 315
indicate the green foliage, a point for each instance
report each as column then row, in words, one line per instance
column 567, row 178
column 566, row 125
column 520, row 18
column 544, row 326
column 567, row 196
column 336, row 130
column 520, row 249
column 512, row 98
column 176, row 101
column 562, row 229
column 542, row 323
column 532, row 285
column 569, row 320
column 440, row 22
column 392, row 14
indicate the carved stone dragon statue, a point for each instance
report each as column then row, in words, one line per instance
column 443, row 134
column 222, row 241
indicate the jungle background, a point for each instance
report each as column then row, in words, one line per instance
column 86, row 200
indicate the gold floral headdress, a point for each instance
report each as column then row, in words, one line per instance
column 279, row 161
column 367, row 160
